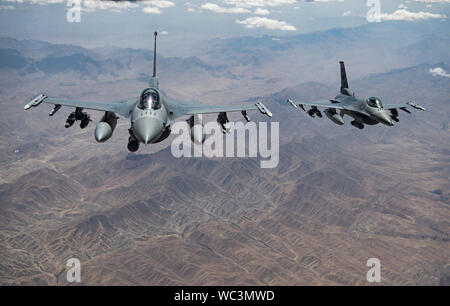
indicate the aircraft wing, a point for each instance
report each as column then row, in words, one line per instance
column 323, row 103
column 205, row 109
column 181, row 108
column 122, row 107
column 403, row 106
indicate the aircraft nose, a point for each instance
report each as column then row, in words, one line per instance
column 385, row 118
column 147, row 130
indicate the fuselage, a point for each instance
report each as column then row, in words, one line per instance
column 149, row 121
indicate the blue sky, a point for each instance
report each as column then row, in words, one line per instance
column 187, row 22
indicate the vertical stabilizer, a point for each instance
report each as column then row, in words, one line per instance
column 154, row 80
column 344, row 82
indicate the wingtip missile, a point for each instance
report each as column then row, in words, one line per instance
column 416, row 106
column 35, row 101
column 291, row 102
column 263, row 109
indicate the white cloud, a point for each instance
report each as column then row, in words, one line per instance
column 328, row 1
column 159, row 3
column 190, row 7
column 7, row 7
column 347, row 13
column 92, row 5
column 149, row 6
column 164, row 33
column 261, row 11
column 151, row 10
column 271, row 24
column 438, row 71
column 219, row 9
column 403, row 14
column 258, row 3
column 36, row 1
column 433, row 1
column 155, row 6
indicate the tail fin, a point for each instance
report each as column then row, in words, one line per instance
column 154, row 80
column 344, row 82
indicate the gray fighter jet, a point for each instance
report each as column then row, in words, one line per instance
column 364, row 111
column 150, row 115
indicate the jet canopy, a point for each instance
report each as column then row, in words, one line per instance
column 374, row 102
column 149, row 99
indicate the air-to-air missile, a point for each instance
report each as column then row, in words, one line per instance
column 35, row 102
column 416, row 106
column 263, row 109
column 291, row 102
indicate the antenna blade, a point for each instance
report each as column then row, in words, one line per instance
column 154, row 56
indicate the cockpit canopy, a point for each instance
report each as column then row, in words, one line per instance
column 150, row 99
column 374, row 102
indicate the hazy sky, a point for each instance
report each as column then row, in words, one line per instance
column 183, row 23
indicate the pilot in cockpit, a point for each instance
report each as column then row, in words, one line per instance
column 374, row 102
column 150, row 100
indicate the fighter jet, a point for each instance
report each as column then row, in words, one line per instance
column 368, row 111
column 150, row 114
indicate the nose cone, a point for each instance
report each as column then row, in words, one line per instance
column 147, row 130
column 384, row 118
